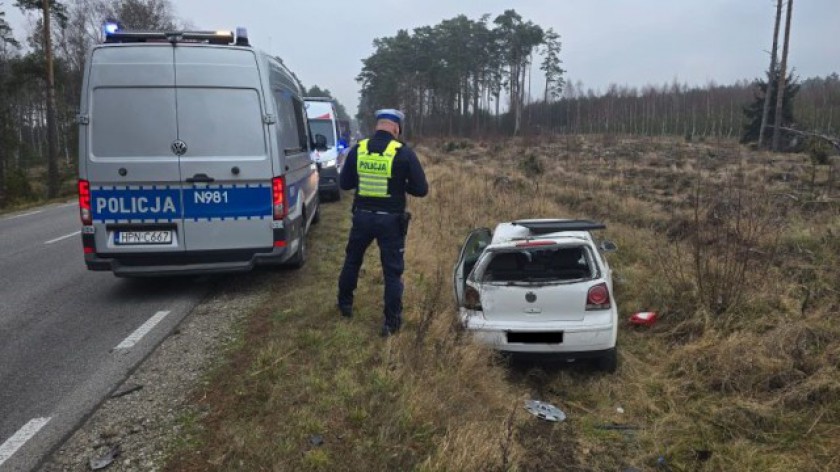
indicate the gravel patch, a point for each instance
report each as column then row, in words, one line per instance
column 144, row 416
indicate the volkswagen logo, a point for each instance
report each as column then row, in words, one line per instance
column 530, row 297
column 179, row 148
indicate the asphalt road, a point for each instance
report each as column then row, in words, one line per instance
column 68, row 336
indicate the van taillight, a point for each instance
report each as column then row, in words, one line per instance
column 472, row 299
column 84, row 202
column 278, row 197
column 598, row 297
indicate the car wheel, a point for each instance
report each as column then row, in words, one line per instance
column 608, row 362
column 299, row 259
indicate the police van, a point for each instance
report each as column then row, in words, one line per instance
column 194, row 156
column 323, row 121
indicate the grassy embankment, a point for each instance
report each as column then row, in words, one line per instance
column 24, row 190
column 736, row 250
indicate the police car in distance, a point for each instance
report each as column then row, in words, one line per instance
column 329, row 146
column 194, row 156
column 539, row 287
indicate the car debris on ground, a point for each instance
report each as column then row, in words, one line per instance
column 644, row 318
column 545, row 411
column 106, row 459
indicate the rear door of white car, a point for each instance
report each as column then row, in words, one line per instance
column 472, row 249
column 530, row 284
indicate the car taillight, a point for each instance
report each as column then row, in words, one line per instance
column 278, row 198
column 472, row 299
column 598, row 297
column 84, row 202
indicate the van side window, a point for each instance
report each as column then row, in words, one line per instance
column 300, row 116
column 292, row 128
column 287, row 122
column 284, row 127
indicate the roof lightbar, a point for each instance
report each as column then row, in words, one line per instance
column 210, row 37
column 556, row 226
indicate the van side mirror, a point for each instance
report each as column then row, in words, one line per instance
column 607, row 246
column 320, row 142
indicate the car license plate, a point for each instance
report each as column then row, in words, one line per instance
column 544, row 337
column 128, row 238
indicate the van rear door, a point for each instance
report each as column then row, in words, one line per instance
column 225, row 164
column 134, row 176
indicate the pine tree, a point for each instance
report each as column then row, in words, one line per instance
column 551, row 66
column 753, row 112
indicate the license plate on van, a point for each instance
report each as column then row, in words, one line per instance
column 128, row 238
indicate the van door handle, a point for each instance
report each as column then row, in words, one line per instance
column 200, row 178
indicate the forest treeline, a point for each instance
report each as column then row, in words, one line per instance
column 474, row 77
column 75, row 27
column 711, row 110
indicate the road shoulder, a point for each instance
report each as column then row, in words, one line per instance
column 144, row 416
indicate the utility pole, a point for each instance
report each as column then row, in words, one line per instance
column 53, row 181
column 780, row 91
column 768, row 92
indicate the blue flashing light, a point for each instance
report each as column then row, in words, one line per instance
column 241, row 36
column 110, row 28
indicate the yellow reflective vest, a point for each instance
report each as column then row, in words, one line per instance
column 375, row 169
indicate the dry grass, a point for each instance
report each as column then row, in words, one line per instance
column 728, row 380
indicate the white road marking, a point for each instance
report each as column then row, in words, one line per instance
column 68, row 204
column 22, row 215
column 144, row 329
column 24, row 434
column 62, row 238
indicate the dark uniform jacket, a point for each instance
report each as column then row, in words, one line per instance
column 407, row 176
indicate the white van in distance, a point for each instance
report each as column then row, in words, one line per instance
column 324, row 126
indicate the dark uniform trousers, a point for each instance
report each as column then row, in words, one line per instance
column 386, row 229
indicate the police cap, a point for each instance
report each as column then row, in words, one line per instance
column 391, row 114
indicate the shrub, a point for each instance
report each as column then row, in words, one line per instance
column 818, row 151
column 18, row 187
column 531, row 165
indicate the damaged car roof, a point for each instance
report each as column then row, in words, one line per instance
column 510, row 232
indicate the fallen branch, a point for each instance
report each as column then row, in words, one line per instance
column 833, row 141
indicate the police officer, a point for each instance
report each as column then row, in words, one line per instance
column 383, row 170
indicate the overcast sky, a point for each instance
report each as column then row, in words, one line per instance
column 628, row 42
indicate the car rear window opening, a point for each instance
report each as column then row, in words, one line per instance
column 539, row 265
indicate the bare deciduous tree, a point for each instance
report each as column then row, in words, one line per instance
column 777, row 132
column 771, row 73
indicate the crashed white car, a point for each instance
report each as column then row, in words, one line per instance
column 539, row 287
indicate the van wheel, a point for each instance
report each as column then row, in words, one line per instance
column 608, row 362
column 299, row 259
column 317, row 216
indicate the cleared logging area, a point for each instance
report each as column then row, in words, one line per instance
column 737, row 250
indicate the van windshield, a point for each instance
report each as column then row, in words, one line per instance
column 538, row 264
column 324, row 127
